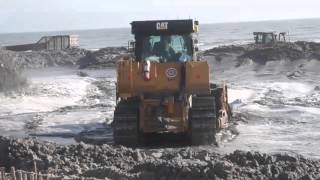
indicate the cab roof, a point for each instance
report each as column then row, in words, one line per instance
column 155, row 27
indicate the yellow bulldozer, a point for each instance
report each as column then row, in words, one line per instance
column 165, row 89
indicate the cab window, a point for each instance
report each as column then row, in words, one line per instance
column 167, row 48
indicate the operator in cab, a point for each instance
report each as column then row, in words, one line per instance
column 163, row 49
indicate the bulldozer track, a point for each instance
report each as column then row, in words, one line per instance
column 203, row 120
column 125, row 122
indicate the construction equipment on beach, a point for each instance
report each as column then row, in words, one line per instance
column 165, row 88
column 269, row 37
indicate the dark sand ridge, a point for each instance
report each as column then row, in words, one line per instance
column 118, row 162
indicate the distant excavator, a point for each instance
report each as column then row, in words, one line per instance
column 165, row 89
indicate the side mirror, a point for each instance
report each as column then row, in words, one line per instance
column 131, row 46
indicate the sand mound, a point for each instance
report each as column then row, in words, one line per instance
column 118, row 162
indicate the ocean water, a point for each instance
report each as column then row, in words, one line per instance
column 211, row 35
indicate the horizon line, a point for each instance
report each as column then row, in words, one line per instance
column 122, row 27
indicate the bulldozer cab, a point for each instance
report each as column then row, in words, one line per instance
column 165, row 41
column 265, row 37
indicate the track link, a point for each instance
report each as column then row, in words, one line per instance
column 125, row 122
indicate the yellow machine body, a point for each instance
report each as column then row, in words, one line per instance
column 164, row 89
column 131, row 80
column 164, row 95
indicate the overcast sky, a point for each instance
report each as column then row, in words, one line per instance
column 49, row 15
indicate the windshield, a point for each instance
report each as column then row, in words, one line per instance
column 264, row 38
column 167, row 48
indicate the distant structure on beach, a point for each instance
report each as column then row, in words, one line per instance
column 58, row 42
column 269, row 37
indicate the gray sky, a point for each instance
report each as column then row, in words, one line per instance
column 48, row 15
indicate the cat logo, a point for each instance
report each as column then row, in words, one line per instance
column 162, row 25
column 171, row 72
